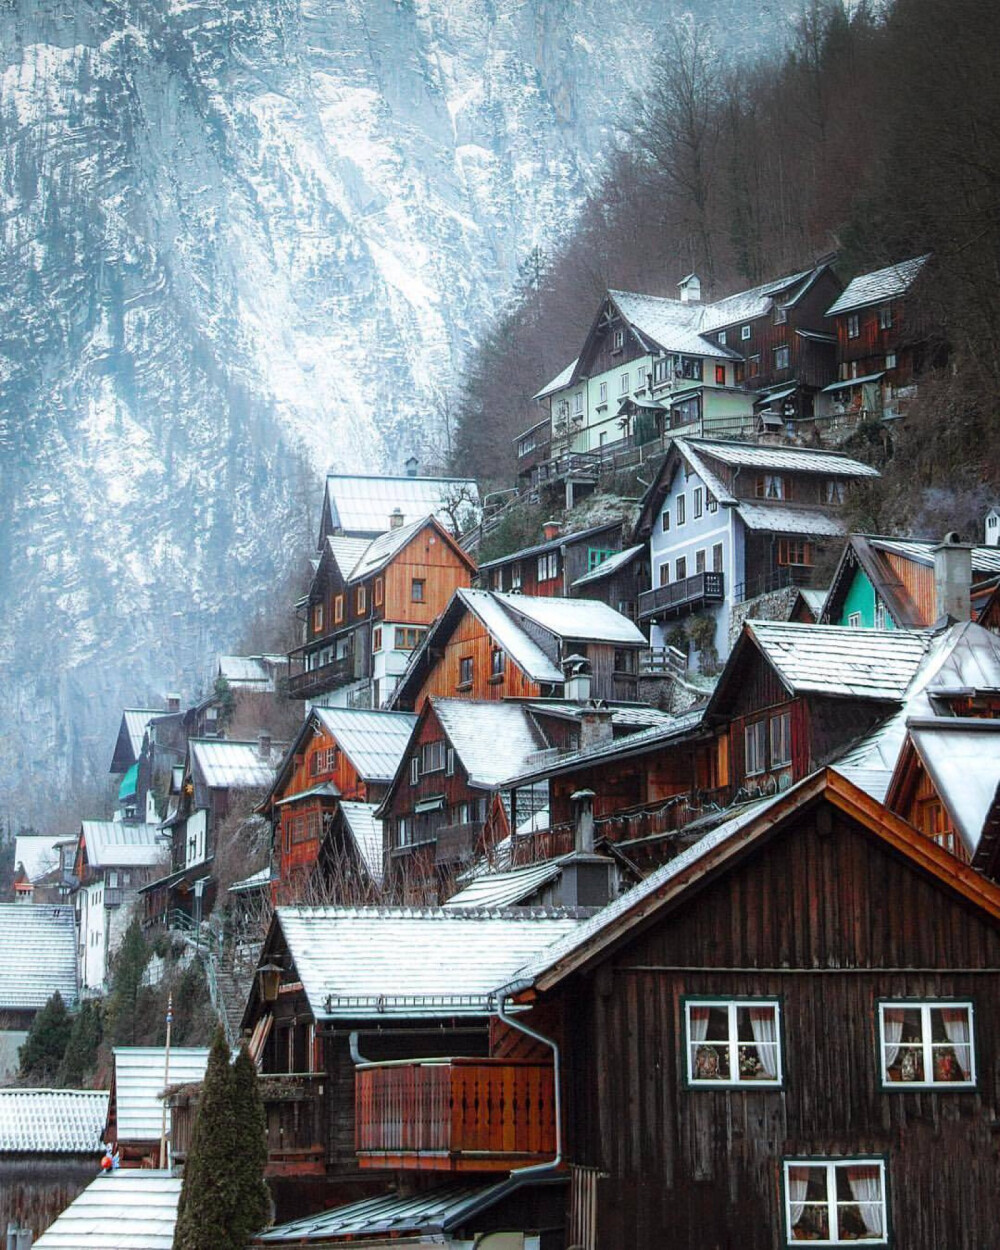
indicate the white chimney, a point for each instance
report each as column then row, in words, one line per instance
column 993, row 527
column 576, row 686
column 953, row 578
column 690, row 289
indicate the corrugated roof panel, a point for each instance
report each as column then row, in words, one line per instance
column 363, row 505
column 373, row 741
column 506, row 889
column 136, row 720
column 881, row 284
column 139, row 1080
column 389, row 1215
column 228, row 765
column 37, row 955
column 115, row 844
column 52, row 1121
column 782, row 519
column 133, row 1209
column 799, row 460
column 361, row 963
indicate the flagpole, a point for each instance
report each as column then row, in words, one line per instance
column 166, row 1083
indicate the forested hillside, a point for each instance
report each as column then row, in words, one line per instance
column 876, row 136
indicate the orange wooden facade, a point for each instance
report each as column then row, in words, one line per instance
column 914, row 796
column 471, row 640
column 918, row 580
column 455, row 1115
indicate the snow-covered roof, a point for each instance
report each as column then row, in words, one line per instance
column 611, row 565
column 985, row 560
column 691, row 453
column 37, row 955
column 140, row 1077
column 839, row 661
column 508, row 635
column 136, row 719
column 745, row 305
column 562, row 378
column 787, row 519
column 492, row 740
column 814, row 598
column 795, row 459
column 366, row 830
column 378, row 962
column 882, row 284
column 37, row 854
column 373, row 741
column 634, row 715
column 52, row 1121
column 114, row 844
column 257, row 881
column 347, row 552
column 962, row 757
column 226, row 765
column 577, row 620
column 257, row 671
column 550, row 544
column 506, row 889
column 380, row 550
column 131, row 1209
column 671, row 324
column 364, row 505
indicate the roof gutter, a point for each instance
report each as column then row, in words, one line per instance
column 556, row 1073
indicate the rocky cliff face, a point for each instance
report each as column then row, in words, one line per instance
column 243, row 240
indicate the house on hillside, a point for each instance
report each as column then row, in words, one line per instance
column 882, row 343
column 553, row 565
column 37, row 958
column 728, row 522
column 360, row 506
column 491, row 646
column 242, row 699
column 369, row 606
column 139, row 1077
column 325, row 793
column 799, row 1075
column 134, row 759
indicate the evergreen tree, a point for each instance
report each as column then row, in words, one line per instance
column 80, row 1057
column 253, row 1200
column 126, row 986
column 43, row 1050
column 207, row 1208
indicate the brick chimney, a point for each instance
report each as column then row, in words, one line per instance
column 173, row 702
column 953, row 578
column 551, row 530
column 396, row 520
column 596, row 726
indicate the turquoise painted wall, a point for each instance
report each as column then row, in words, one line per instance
column 861, row 598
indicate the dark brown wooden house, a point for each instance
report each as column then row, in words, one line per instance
column 789, row 1033
column 552, row 566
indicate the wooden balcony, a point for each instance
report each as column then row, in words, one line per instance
column 293, row 1106
column 304, row 683
column 685, row 595
column 455, row 1115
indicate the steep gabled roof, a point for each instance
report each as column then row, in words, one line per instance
column 613, row 564
column 574, row 620
column 37, row 955
column 373, row 741
column 140, row 1077
column 366, row 830
column 362, row 506
column 255, row 672
column 551, row 544
column 492, row 740
column 881, row 284
column 224, row 764
column 669, row 324
column 758, row 300
column 562, row 378
column 794, row 459
column 128, row 745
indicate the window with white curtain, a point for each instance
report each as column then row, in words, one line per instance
column 835, row 1202
column 733, row 1041
column 926, row 1043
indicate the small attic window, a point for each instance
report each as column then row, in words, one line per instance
column 618, row 340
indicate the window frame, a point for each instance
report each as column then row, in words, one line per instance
column 782, row 357
column 720, row 375
column 498, row 663
column 379, row 595
column 732, row 1003
column 361, row 599
column 317, row 618
column 762, row 724
column 831, row 1163
column 722, row 338
column 466, row 668
column 853, row 325
column 680, row 569
column 718, row 549
column 438, row 766
column 623, row 384
column 885, row 316
column 698, row 503
column 602, row 393
column 338, row 610
column 415, row 595
column 926, row 1005
column 745, row 334
column 665, row 521
column 780, row 718
column 680, row 510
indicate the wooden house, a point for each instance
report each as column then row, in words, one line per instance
column 340, row 990
column 38, row 957
column 341, row 756
column 140, row 1076
column 882, row 341
column 551, row 567
column 728, row 522
column 369, row 605
column 246, row 697
column 754, row 1047
column 491, row 646
column 617, row 581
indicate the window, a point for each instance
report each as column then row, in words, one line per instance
column 465, row 671
column 926, row 1043
column 782, row 357
column 602, row 392
column 379, row 591
column 324, row 761
column 834, row 1203
column 432, row 755
column 417, row 586
column 720, row 375
column 640, row 380
column 890, row 360
column 755, row 746
column 794, row 551
column 449, row 766
column 578, row 404
column 497, row 663
column 665, row 520
column 780, row 315
column 699, row 561
column 317, row 618
column 745, row 333
column 733, row 1042
column 112, row 882
column 770, row 486
column 781, row 739
column 596, row 557
column 377, row 638
column 722, row 338
column 885, row 317
column 932, row 819
column 548, row 566
column 362, row 599
column 717, row 558
column 338, row 609
column 515, row 575
column 681, row 509
column 699, row 501
column 404, row 829
column 661, row 370
column 408, row 638
column 753, row 367
column 623, row 385
column 665, row 573
column 739, row 373
column 853, row 326
column 682, row 569
column 618, row 340
column 854, row 620
column 414, row 770
column 834, row 491
column 713, row 503
column 880, row 616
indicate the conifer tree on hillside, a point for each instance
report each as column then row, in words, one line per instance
column 206, row 1213
column 45, row 1045
column 253, row 1199
column 80, row 1058
column 126, row 985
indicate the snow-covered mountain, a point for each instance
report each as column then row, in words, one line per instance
column 243, row 240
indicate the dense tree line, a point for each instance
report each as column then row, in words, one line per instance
column 876, row 135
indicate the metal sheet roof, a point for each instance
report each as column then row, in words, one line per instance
column 381, row 550
column 849, row 382
column 798, row 460
column 562, row 378
column 963, row 760
column 391, row 1215
column 115, row 844
column 985, row 560
column 745, row 305
column 881, row 284
column 367, row 833
column 38, row 855
column 255, row 882
column 492, row 740
column 583, row 620
column 37, row 955
column 787, row 519
column 611, row 565
column 52, row 1121
column 506, row 889
column 550, row 544
column 672, row 324
column 508, row 635
column 135, row 1209
column 836, row 660
column 378, row 962
column 347, row 552
column 363, row 505
column 373, row 741
column 256, row 671
column 226, row 765
column 139, row 1080
column 136, row 719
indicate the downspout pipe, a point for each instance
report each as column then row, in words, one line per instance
column 356, row 1055
column 556, row 1073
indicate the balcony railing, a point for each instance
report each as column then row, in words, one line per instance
column 455, row 1115
column 303, row 683
column 675, row 597
column 456, row 843
column 293, row 1107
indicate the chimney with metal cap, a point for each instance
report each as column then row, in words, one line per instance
column 576, row 683
column 412, row 464
column 173, row 702
column 690, row 289
column 396, row 519
column 583, row 803
column 953, row 578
